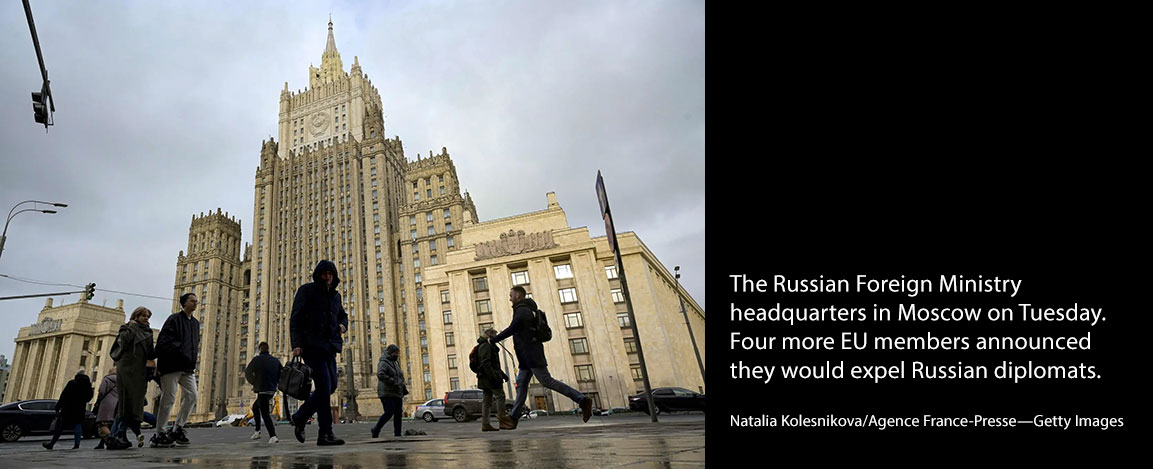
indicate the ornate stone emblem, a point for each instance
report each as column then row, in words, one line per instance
column 46, row 326
column 514, row 242
column 318, row 123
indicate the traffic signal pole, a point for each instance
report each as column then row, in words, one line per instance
column 45, row 90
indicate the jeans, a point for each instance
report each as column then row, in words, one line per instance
column 260, row 411
column 545, row 380
column 168, row 385
column 134, row 426
column 77, row 432
column 391, row 410
column 324, row 378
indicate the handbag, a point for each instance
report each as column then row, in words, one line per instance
column 295, row 379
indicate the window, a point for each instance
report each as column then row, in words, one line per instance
column 480, row 284
column 444, row 296
column 412, row 234
column 424, row 360
column 573, row 320
column 412, row 220
column 428, row 193
column 431, row 230
column 416, row 262
column 448, row 318
column 416, row 248
column 584, row 373
column 427, row 378
column 636, row 370
column 484, row 326
column 424, row 341
column 450, row 242
column 448, row 339
column 453, row 384
column 414, row 184
column 432, row 260
column 483, row 307
column 618, row 297
column 446, row 213
column 416, row 277
column 452, row 362
column 623, row 320
column 441, row 190
column 448, row 227
column 416, row 196
column 579, row 345
column 419, row 294
column 567, row 295
column 520, row 278
column 428, row 216
column 630, row 345
column 563, row 271
column 611, row 271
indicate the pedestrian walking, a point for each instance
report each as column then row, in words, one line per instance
column 177, row 349
column 134, row 353
column 105, row 406
column 70, row 409
column 263, row 373
column 391, row 389
column 530, row 357
column 318, row 321
column 490, row 379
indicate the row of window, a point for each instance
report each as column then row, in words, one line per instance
column 428, row 217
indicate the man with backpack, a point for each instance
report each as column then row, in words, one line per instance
column 263, row 373
column 484, row 360
column 529, row 330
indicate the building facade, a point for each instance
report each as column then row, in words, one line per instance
column 4, row 369
column 65, row 339
column 331, row 186
column 573, row 278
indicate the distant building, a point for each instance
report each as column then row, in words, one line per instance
column 4, row 368
column 63, row 340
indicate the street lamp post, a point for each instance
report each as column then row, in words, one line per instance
column 677, row 279
column 11, row 215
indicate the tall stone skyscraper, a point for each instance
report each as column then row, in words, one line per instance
column 214, row 270
column 331, row 186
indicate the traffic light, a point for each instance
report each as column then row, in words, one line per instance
column 89, row 291
column 39, row 108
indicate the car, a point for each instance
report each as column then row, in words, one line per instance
column 429, row 410
column 669, row 399
column 229, row 419
column 34, row 417
column 465, row 404
column 537, row 414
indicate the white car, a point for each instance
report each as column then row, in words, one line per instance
column 537, row 413
column 228, row 419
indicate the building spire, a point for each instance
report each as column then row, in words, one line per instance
column 331, row 46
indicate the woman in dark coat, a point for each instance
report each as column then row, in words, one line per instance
column 133, row 352
column 70, row 408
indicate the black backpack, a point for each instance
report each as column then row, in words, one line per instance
column 542, row 333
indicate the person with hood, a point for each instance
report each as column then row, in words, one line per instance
column 391, row 389
column 317, row 323
column 70, row 411
column 105, row 406
column 530, row 357
column 263, row 373
column 490, row 378
column 177, row 349
column 134, row 354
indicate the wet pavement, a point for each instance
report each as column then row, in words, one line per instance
column 552, row 442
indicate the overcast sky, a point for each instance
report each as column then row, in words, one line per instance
column 161, row 108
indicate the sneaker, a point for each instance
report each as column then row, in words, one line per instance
column 375, row 432
column 586, row 409
column 47, row 445
column 256, row 436
column 273, row 440
column 139, row 439
column 161, row 440
column 178, row 436
column 329, row 440
column 115, row 443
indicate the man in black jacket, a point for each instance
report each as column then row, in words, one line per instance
column 318, row 321
column 177, row 349
column 530, row 358
column 263, row 374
